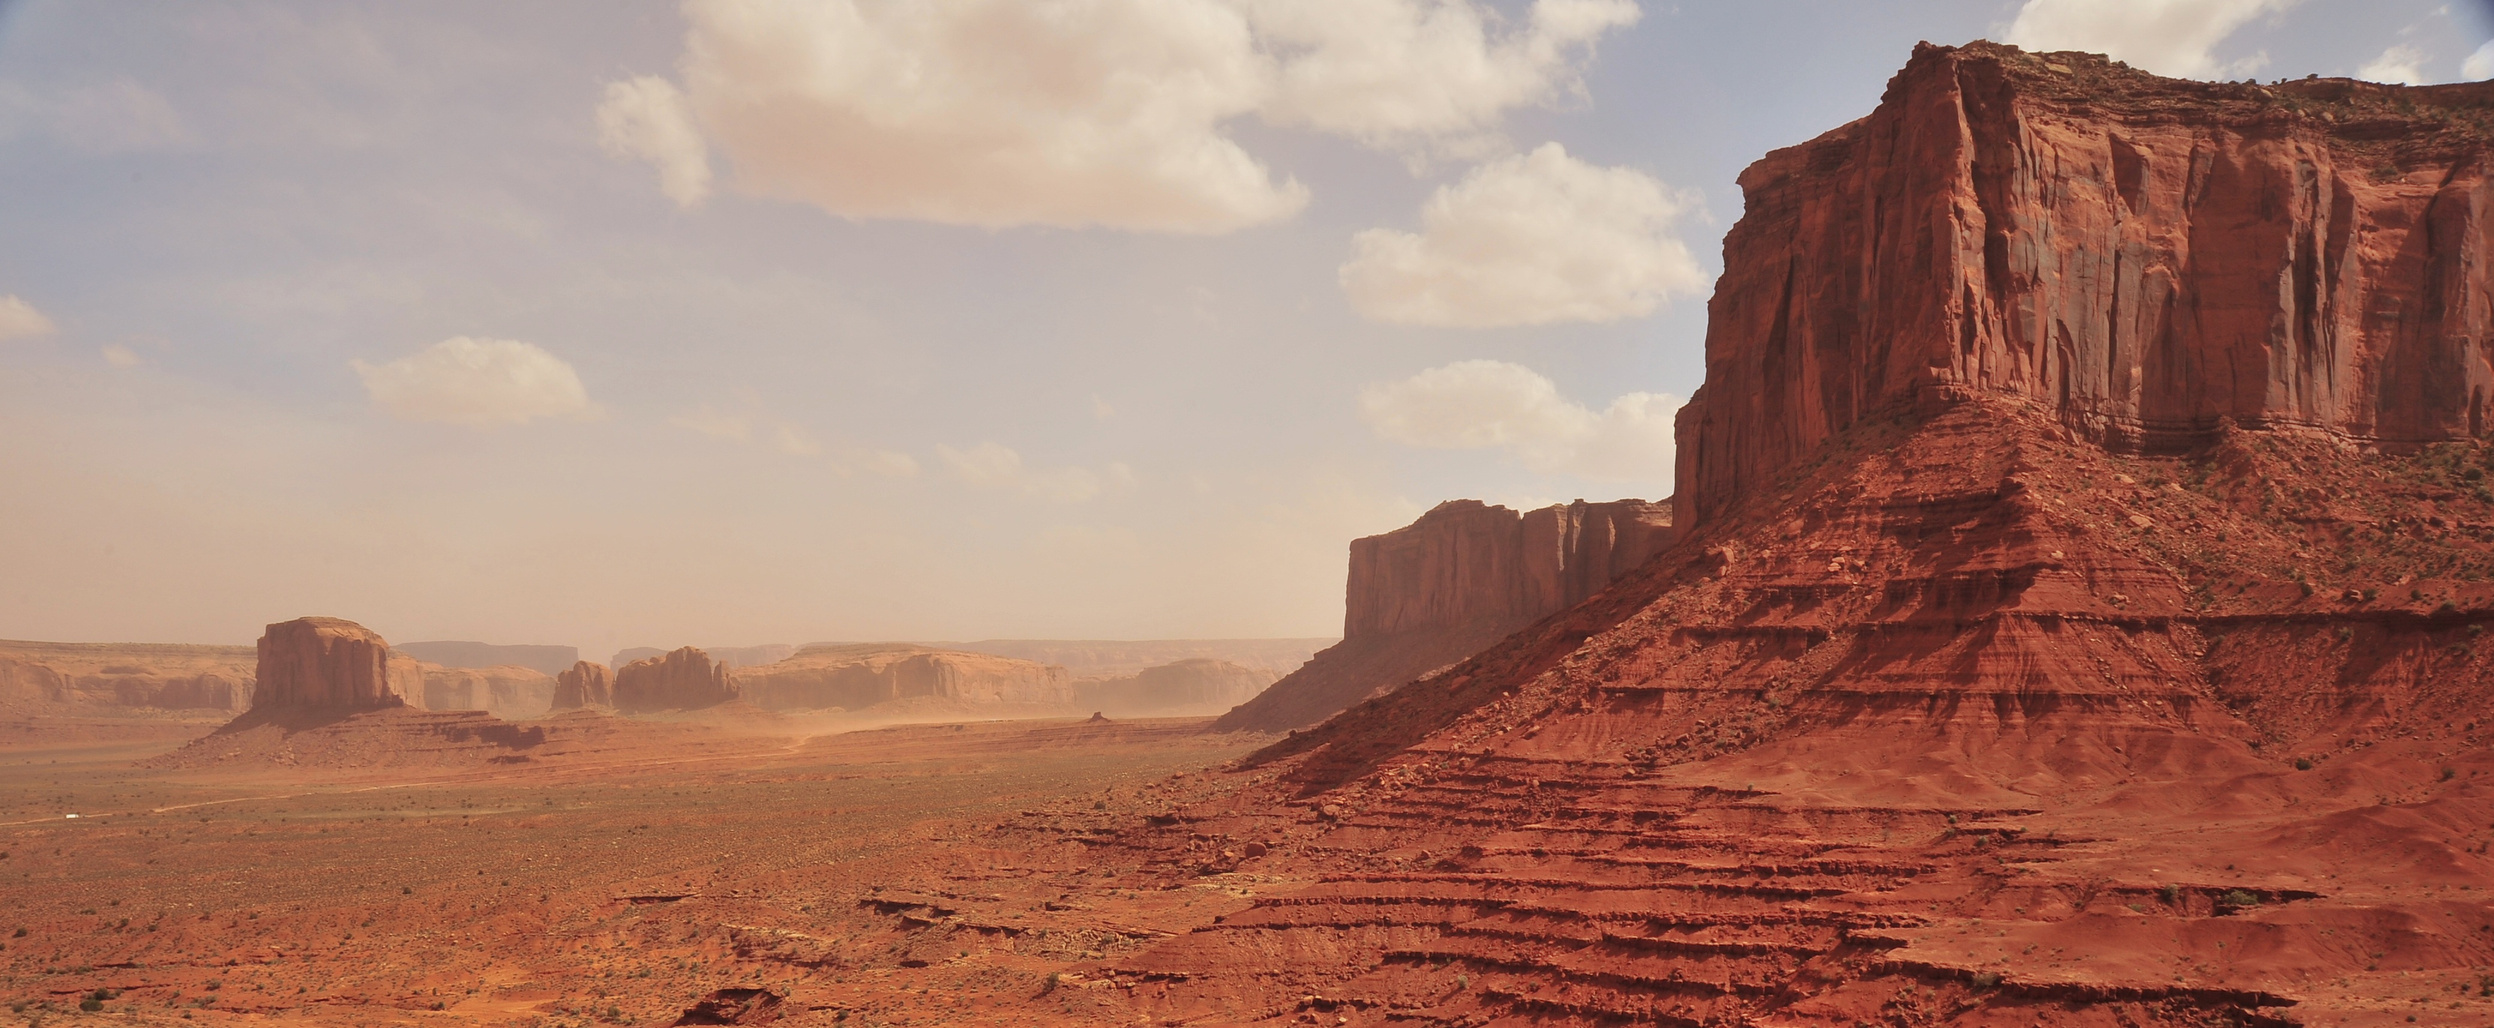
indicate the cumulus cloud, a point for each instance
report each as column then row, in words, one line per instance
column 1483, row 404
column 477, row 382
column 992, row 465
column 646, row 118
column 20, row 320
column 1406, row 73
column 989, row 112
column 1079, row 112
column 2401, row 64
column 2480, row 64
column 122, row 357
column 754, row 427
column 2168, row 37
column 1526, row 240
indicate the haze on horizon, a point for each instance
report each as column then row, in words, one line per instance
column 743, row 321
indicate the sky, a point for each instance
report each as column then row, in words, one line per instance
column 739, row 321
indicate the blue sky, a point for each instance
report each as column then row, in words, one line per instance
column 390, row 312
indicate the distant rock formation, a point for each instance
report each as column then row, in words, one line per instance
column 586, row 684
column 863, row 675
column 550, row 660
column 125, row 675
column 507, row 692
column 1465, row 575
column 332, row 663
column 1196, row 686
column 682, row 679
column 1106, row 658
column 730, row 657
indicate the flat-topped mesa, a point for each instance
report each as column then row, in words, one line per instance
column 856, row 676
column 1463, row 576
column 2147, row 256
column 332, row 663
column 681, row 680
column 586, row 684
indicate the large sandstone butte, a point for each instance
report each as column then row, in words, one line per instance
column 1463, row 576
column 855, row 677
column 683, row 679
column 2079, row 620
column 332, row 664
column 586, row 684
column 2146, row 258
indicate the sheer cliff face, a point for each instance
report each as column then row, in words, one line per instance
column 1443, row 587
column 2144, row 256
column 586, row 684
column 1468, row 563
column 332, row 663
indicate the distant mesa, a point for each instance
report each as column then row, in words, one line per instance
column 1109, row 658
column 103, row 676
column 1193, row 687
column 860, row 675
column 1464, row 576
column 547, row 660
column 724, row 656
column 332, row 663
column 682, row 679
column 507, row 691
column 585, row 684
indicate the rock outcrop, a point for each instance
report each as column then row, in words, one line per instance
column 107, row 676
column 508, row 691
column 1463, row 576
column 683, row 679
column 855, row 677
column 548, row 660
column 1111, row 658
column 2148, row 258
column 332, row 664
column 730, row 657
column 1195, row 686
column 585, row 684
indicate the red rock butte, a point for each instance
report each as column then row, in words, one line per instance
column 332, row 663
column 1445, row 586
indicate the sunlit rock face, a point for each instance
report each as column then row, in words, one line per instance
column 1462, row 577
column 586, row 684
column 332, row 663
column 2148, row 257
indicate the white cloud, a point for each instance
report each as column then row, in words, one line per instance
column 1526, row 240
column 2401, row 64
column 2480, row 65
column 646, row 118
column 1482, row 404
column 2168, row 37
column 888, row 463
column 20, row 320
column 992, row 465
column 477, row 382
column 1405, row 73
column 1079, row 112
column 121, row 357
column 989, row 112
column 755, row 427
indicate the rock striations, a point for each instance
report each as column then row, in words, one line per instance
column 1442, row 588
column 684, row 679
column 2079, row 619
column 332, row 664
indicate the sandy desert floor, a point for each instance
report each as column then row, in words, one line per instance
column 616, row 888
